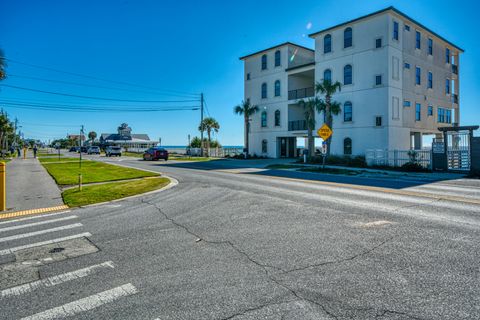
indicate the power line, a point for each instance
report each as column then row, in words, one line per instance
column 206, row 107
column 87, row 85
column 100, row 79
column 94, row 109
column 89, row 106
column 76, row 103
column 48, row 125
column 93, row 98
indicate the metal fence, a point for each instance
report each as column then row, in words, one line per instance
column 397, row 158
column 213, row 152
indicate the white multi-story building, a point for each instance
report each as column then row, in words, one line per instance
column 400, row 81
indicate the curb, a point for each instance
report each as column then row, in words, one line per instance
column 173, row 183
column 32, row 211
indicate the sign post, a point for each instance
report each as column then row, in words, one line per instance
column 325, row 133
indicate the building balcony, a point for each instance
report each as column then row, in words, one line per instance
column 455, row 98
column 454, row 69
column 301, row 93
column 297, row 125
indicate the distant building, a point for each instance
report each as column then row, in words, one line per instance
column 75, row 137
column 125, row 139
column 400, row 81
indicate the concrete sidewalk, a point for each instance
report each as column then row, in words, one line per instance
column 29, row 186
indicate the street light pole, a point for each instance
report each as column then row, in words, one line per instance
column 201, row 122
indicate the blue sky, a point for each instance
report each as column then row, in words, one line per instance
column 188, row 46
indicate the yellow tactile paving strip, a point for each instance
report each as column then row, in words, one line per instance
column 32, row 211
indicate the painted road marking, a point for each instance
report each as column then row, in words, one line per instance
column 54, row 280
column 42, row 243
column 32, row 211
column 34, row 217
column 85, row 304
column 36, row 233
column 27, row 225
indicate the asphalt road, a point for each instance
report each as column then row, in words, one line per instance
column 232, row 241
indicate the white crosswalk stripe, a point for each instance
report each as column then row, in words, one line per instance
column 85, row 304
column 36, row 233
column 34, row 217
column 32, row 232
column 33, row 224
column 55, row 280
column 42, row 243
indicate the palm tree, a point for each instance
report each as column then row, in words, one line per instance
column 209, row 124
column 246, row 109
column 92, row 135
column 327, row 106
column 311, row 106
column 3, row 64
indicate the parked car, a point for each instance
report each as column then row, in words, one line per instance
column 113, row 151
column 93, row 150
column 73, row 149
column 83, row 149
column 155, row 153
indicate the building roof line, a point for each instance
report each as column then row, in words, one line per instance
column 276, row 46
column 395, row 10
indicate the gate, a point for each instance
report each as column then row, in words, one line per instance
column 458, row 150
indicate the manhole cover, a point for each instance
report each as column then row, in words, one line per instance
column 55, row 250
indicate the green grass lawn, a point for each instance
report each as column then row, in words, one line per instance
column 111, row 191
column 187, row 158
column 92, row 171
column 55, row 159
column 41, row 155
column 132, row 154
column 332, row 171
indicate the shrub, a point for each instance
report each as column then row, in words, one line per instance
column 347, row 161
column 413, row 167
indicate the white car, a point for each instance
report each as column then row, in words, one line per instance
column 113, row 151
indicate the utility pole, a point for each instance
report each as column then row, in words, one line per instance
column 201, row 121
column 80, row 137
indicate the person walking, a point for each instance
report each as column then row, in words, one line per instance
column 35, row 151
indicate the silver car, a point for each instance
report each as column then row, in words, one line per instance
column 113, row 151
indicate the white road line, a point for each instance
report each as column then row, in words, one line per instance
column 54, row 280
column 85, row 304
column 21, row 226
column 34, row 217
column 36, row 233
column 42, row 243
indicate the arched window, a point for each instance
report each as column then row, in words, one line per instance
column 327, row 44
column 347, row 38
column 277, row 58
column 347, row 146
column 277, row 118
column 347, row 74
column 264, row 62
column 277, row 88
column 264, row 90
column 327, row 75
column 264, row 146
column 347, row 112
column 264, row 119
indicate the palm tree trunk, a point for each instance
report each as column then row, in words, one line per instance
column 311, row 145
column 208, row 143
column 329, row 121
column 246, row 134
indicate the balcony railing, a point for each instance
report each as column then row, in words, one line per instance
column 301, row 93
column 454, row 68
column 455, row 98
column 297, row 125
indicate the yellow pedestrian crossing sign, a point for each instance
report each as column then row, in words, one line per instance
column 324, row 132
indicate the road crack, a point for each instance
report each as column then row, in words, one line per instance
column 342, row 260
column 264, row 267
